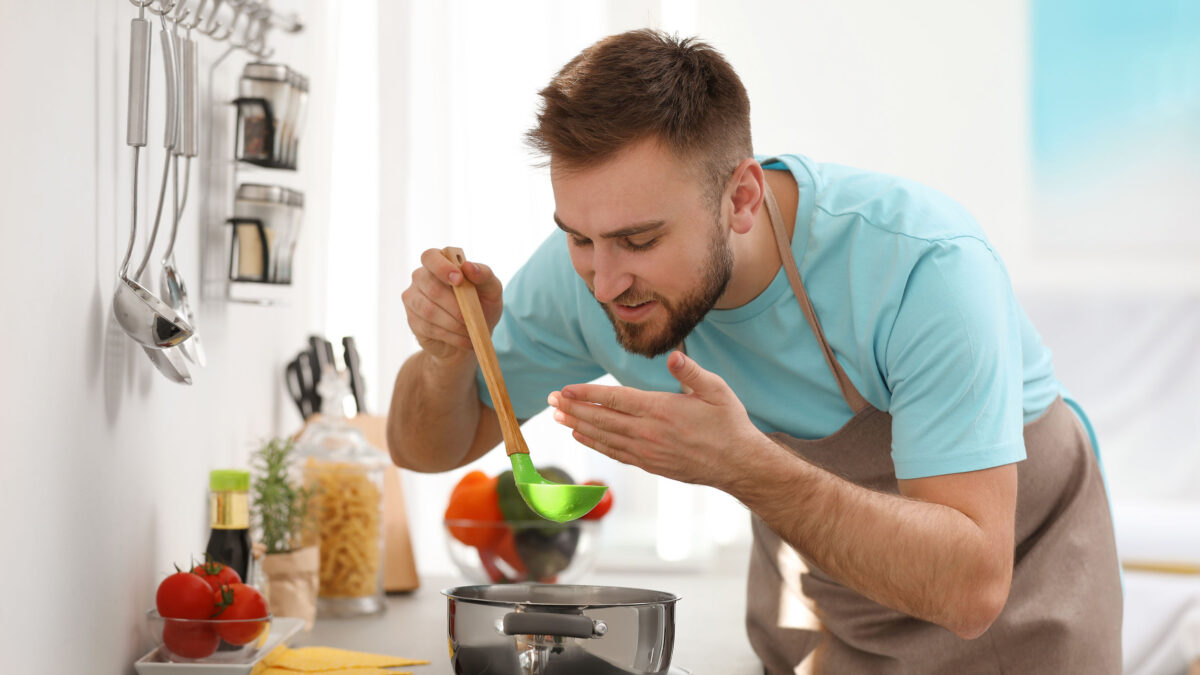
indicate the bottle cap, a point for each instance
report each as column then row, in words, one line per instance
column 229, row 480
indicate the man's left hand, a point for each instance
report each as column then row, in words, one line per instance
column 695, row 437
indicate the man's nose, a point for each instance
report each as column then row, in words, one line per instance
column 610, row 280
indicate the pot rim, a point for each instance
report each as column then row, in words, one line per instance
column 463, row 594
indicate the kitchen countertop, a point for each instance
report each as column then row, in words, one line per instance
column 710, row 635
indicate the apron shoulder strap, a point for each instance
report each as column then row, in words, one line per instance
column 854, row 399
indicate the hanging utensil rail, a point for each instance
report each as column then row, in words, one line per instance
column 247, row 25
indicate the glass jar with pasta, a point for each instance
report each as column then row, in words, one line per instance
column 345, row 475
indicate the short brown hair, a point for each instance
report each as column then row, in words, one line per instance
column 643, row 84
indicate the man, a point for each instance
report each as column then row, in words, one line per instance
column 851, row 365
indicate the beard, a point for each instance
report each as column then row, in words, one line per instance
column 684, row 314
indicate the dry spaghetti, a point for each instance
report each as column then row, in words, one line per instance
column 347, row 507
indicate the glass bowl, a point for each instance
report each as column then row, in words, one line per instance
column 541, row 551
column 205, row 640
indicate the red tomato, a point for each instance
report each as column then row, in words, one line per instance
column 602, row 508
column 217, row 574
column 184, row 595
column 235, row 603
column 190, row 640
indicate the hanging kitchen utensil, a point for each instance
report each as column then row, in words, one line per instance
column 172, row 284
column 550, row 500
column 354, row 367
column 169, row 360
column 322, row 354
column 143, row 316
column 301, row 379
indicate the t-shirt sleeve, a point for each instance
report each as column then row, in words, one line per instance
column 953, row 363
column 539, row 342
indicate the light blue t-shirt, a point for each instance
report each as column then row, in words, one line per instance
column 912, row 297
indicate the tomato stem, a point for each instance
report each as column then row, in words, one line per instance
column 225, row 601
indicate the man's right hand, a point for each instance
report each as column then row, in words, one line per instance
column 433, row 313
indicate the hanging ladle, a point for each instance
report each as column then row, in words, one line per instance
column 143, row 316
column 170, row 360
column 171, row 283
column 550, row 500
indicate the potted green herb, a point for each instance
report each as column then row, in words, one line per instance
column 291, row 562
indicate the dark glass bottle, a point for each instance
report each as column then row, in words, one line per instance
column 229, row 519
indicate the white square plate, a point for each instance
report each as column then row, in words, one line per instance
column 282, row 629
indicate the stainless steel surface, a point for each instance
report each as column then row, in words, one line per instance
column 262, row 193
column 572, row 630
column 172, row 284
column 173, row 287
column 260, row 18
column 139, row 83
column 297, row 113
column 168, row 360
column 144, row 318
column 710, row 634
column 189, row 143
column 274, row 72
column 559, row 596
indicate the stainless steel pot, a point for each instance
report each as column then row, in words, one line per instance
column 553, row 629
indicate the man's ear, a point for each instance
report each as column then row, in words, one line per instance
column 745, row 195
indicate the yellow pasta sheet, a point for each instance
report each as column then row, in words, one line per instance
column 285, row 661
column 340, row 671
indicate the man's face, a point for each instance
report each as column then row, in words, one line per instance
column 643, row 236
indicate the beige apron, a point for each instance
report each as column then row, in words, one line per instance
column 1063, row 613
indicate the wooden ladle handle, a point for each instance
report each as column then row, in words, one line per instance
column 485, row 352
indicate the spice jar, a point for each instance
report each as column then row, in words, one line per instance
column 264, row 219
column 345, row 474
column 264, row 92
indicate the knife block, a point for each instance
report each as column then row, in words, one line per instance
column 399, row 566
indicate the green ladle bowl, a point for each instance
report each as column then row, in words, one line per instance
column 550, row 500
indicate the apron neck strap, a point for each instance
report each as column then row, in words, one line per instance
column 854, row 399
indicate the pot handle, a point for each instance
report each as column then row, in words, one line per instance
column 549, row 623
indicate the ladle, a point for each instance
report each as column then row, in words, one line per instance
column 144, row 317
column 550, row 500
column 169, row 361
column 171, row 283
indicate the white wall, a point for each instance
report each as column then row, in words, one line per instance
column 103, row 476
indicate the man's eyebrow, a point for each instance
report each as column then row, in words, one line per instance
column 634, row 229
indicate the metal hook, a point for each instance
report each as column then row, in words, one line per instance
column 237, row 14
column 141, row 7
column 212, row 24
column 181, row 13
column 255, row 14
column 195, row 23
column 164, row 7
